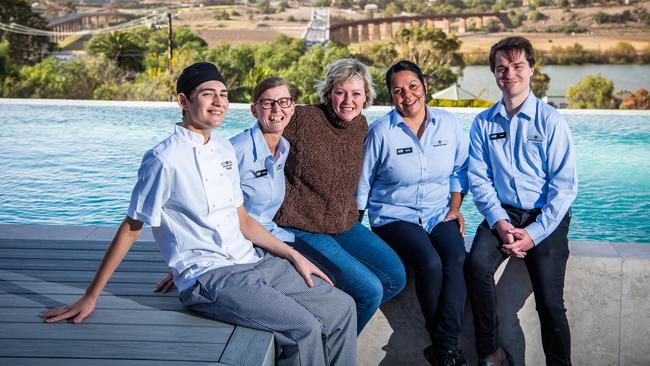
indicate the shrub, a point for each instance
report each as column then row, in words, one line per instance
column 536, row 16
column 221, row 15
column 640, row 99
column 591, row 92
column 622, row 53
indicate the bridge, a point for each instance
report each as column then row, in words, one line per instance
column 84, row 21
column 318, row 29
column 371, row 29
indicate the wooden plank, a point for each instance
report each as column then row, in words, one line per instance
column 121, row 350
column 87, row 254
column 71, row 245
column 249, row 347
column 100, row 362
column 104, row 302
column 78, row 288
column 130, row 325
column 83, row 265
column 63, row 276
column 115, row 332
column 110, row 316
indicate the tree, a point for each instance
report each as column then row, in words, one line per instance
column 379, row 79
column 435, row 53
column 24, row 49
column 310, row 68
column 155, row 41
column 234, row 64
column 591, row 92
column 6, row 66
column 382, row 54
column 280, row 54
column 539, row 83
column 122, row 48
column 54, row 78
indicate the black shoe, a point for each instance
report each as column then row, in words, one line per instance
column 449, row 357
column 499, row 358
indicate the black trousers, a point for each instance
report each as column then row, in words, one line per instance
column 546, row 264
column 437, row 259
column 330, row 269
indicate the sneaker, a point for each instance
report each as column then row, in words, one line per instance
column 449, row 357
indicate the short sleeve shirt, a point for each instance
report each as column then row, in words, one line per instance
column 189, row 193
column 262, row 178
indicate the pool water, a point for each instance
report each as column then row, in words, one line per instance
column 75, row 163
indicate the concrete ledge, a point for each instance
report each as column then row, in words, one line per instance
column 607, row 289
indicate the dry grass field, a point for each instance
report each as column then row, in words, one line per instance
column 249, row 26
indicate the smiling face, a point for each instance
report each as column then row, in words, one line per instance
column 276, row 118
column 348, row 98
column 408, row 94
column 206, row 106
column 512, row 74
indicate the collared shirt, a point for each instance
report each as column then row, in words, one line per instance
column 262, row 178
column 189, row 193
column 527, row 161
column 409, row 179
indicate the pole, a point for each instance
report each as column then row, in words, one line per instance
column 170, row 52
column 169, row 43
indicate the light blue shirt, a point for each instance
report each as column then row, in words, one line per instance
column 262, row 178
column 404, row 178
column 527, row 161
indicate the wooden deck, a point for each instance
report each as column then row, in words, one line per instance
column 47, row 266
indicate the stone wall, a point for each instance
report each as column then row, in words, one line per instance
column 607, row 295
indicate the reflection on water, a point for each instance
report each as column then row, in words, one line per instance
column 77, row 165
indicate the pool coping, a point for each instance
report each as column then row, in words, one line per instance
column 378, row 109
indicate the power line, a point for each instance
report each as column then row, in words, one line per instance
column 21, row 29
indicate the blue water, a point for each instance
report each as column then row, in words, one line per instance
column 76, row 164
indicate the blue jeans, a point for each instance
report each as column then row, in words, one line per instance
column 373, row 272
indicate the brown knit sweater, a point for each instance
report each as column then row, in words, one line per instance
column 322, row 170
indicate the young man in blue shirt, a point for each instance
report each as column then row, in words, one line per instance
column 522, row 176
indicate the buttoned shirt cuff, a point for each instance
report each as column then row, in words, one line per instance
column 496, row 215
column 536, row 232
column 455, row 186
column 151, row 221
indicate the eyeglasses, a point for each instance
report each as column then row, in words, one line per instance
column 268, row 103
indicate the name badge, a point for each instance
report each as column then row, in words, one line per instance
column 404, row 150
column 497, row 136
column 261, row 173
column 535, row 138
column 437, row 143
column 226, row 164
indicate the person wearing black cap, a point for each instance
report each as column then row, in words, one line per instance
column 188, row 191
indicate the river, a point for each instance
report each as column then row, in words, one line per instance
column 629, row 77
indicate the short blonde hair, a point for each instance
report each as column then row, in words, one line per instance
column 344, row 70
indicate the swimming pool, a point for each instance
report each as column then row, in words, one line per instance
column 75, row 163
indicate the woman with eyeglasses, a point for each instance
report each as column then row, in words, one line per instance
column 413, row 180
column 322, row 171
column 261, row 154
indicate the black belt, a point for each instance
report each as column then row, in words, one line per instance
column 534, row 211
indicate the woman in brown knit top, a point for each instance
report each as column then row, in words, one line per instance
column 322, row 172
